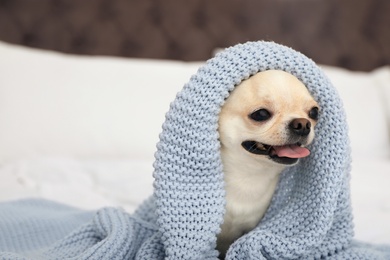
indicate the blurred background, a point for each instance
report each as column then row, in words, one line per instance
column 353, row 34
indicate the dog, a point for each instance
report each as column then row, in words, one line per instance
column 264, row 126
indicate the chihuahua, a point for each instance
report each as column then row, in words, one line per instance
column 264, row 127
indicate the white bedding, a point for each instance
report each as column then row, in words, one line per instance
column 82, row 130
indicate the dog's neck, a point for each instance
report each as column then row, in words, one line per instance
column 249, row 186
column 248, row 179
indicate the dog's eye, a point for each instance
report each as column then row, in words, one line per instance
column 313, row 113
column 260, row 115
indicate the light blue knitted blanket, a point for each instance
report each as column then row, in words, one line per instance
column 309, row 217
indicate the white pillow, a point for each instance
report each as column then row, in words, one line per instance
column 85, row 107
column 92, row 107
column 382, row 78
column 365, row 103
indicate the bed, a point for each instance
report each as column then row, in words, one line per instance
column 85, row 86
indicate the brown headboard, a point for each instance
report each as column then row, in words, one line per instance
column 354, row 34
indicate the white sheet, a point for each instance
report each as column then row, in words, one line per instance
column 85, row 184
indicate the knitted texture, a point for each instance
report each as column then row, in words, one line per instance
column 309, row 216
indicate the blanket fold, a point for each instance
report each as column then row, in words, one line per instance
column 40, row 229
column 310, row 215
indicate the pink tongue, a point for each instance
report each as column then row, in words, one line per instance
column 291, row 151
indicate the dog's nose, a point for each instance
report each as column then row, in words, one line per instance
column 300, row 126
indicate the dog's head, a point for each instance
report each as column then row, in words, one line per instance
column 269, row 117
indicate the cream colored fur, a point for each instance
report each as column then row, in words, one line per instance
column 251, row 179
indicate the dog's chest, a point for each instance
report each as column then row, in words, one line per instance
column 240, row 218
column 246, row 208
column 247, row 200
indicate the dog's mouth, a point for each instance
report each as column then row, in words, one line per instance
column 283, row 154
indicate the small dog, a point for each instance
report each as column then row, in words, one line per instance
column 264, row 127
